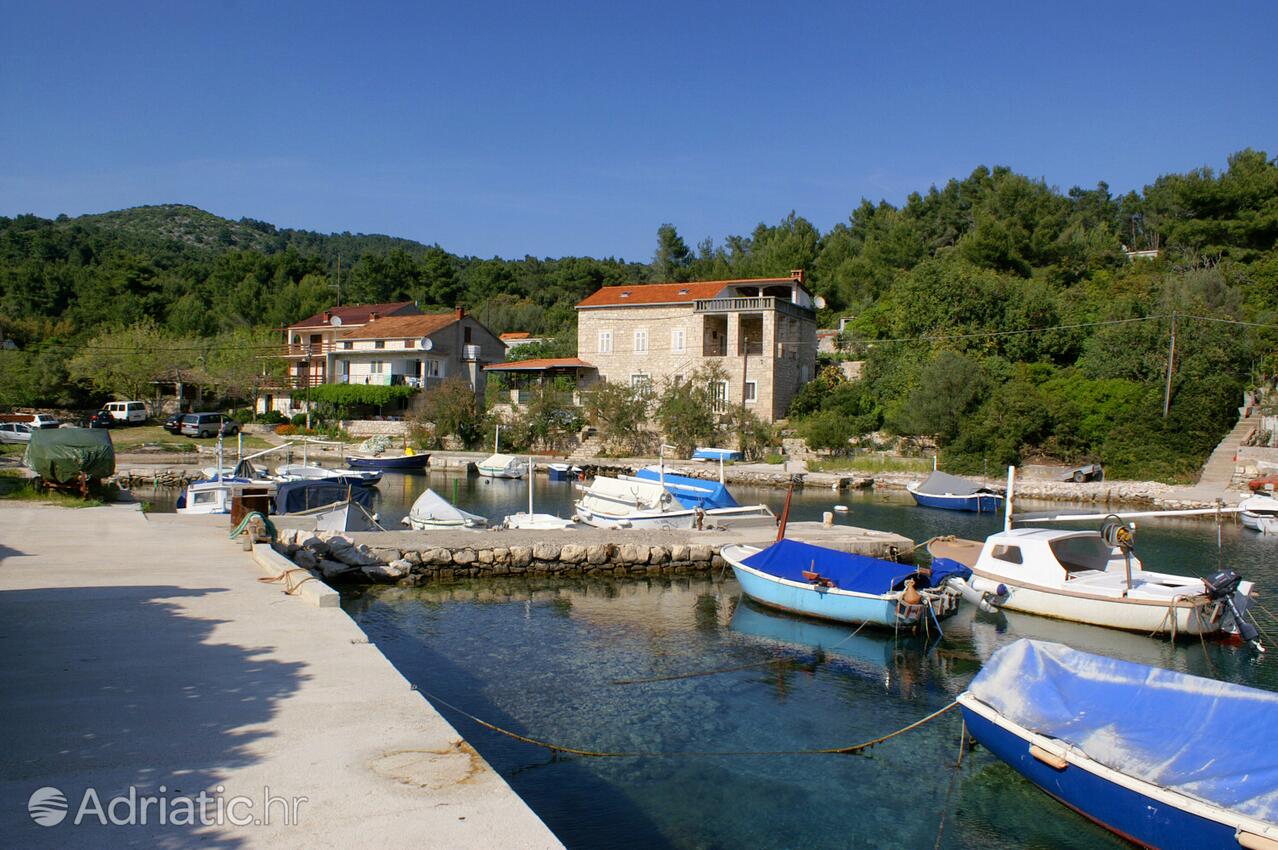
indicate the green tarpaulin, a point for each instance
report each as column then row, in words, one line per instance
column 61, row 454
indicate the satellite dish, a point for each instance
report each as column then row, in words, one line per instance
column 818, row 301
column 336, row 321
column 426, row 343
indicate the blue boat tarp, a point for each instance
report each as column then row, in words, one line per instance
column 1200, row 737
column 692, row 492
column 716, row 454
column 295, row 496
column 859, row 573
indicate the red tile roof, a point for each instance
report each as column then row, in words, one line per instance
column 406, row 327
column 671, row 293
column 515, row 335
column 541, row 365
column 357, row 314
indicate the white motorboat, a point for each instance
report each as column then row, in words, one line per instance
column 215, row 495
column 431, row 510
column 533, row 520
column 1094, row 577
column 1260, row 513
column 631, row 503
column 503, row 466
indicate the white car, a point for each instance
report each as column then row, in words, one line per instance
column 127, row 412
column 15, row 432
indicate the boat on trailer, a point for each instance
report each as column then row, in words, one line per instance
column 1094, row 577
column 1161, row 758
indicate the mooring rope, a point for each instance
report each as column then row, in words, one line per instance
column 949, row 788
column 290, row 587
column 577, row 751
column 753, row 665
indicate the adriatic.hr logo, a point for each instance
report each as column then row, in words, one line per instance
column 47, row 806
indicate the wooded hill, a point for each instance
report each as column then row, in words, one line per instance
column 986, row 309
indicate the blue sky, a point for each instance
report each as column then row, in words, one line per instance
column 577, row 128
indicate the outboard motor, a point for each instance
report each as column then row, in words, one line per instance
column 1222, row 586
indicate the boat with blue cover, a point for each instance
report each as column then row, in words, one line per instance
column 298, row 496
column 952, row 493
column 818, row 582
column 702, row 453
column 1163, row 759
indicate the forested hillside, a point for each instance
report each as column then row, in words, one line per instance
column 996, row 314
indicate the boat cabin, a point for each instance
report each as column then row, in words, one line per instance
column 1050, row 556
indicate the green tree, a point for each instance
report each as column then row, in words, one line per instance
column 621, row 413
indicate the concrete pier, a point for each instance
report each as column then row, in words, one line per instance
column 142, row 654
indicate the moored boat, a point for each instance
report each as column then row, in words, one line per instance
column 712, row 498
column 632, row 503
column 532, row 520
column 818, row 582
column 503, row 466
column 389, row 463
column 307, row 472
column 952, row 493
column 431, row 510
column 1163, row 759
column 301, row 496
column 1260, row 513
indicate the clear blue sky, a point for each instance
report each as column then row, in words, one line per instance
column 577, row 128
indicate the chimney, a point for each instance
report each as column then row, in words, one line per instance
column 796, row 275
column 460, row 313
column 328, row 315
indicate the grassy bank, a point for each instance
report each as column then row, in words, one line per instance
column 155, row 438
column 14, row 487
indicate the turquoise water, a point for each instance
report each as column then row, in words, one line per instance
column 545, row 657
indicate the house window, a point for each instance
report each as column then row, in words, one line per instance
column 720, row 396
column 640, row 380
column 409, row 343
column 678, row 341
column 641, row 340
column 381, row 343
column 432, row 369
column 348, row 345
column 751, row 391
column 605, row 342
column 376, row 367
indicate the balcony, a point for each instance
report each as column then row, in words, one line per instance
column 308, row 349
column 752, row 305
column 470, row 352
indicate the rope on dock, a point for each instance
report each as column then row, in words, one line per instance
column 239, row 529
column 577, row 751
column 290, row 587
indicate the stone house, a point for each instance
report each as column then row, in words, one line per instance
column 761, row 331
column 401, row 346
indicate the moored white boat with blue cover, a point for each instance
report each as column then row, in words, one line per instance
column 952, row 493
column 834, row 585
column 1164, row 759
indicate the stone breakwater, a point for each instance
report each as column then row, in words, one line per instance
column 412, row 558
column 338, row 558
column 131, row 478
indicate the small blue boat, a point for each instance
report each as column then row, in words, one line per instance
column 1161, row 758
column 716, row 454
column 833, row 585
column 951, row 493
column 389, row 463
column 563, row 472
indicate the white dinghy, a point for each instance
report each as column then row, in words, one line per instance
column 431, row 510
column 534, row 520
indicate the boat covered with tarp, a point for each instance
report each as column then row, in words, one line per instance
column 294, row 497
column 691, row 492
column 431, row 510
column 70, row 455
column 1164, row 759
column 942, row 490
column 835, row 585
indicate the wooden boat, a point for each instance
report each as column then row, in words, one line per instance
column 951, row 493
column 833, row 585
column 1093, row 577
column 389, row 463
column 1161, row 758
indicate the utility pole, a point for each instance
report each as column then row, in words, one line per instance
column 1171, row 359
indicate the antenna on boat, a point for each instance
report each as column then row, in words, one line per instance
column 1007, row 504
column 661, row 463
column 530, row 488
column 720, row 467
column 219, row 456
column 785, row 514
column 497, row 439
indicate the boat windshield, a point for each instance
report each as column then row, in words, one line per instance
column 1082, row 553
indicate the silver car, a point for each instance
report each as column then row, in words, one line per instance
column 15, row 432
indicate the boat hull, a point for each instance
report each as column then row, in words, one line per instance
column 399, row 463
column 1140, row 812
column 824, row 603
column 490, row 472
column 981, row 503
column 1115, row 613
column 638, row 520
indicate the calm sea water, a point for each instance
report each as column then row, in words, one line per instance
column 558, row 660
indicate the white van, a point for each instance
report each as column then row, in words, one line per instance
column 127, row 412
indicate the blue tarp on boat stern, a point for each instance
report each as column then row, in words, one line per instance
column 1204, row 738
column 692, row 492
column 295, row 496
column 861, row 573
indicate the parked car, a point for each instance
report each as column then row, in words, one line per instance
column 127, row 412
column 100, row 419
column 174, row 423
column 35, row 420
column 15, row 432
column 209, row 425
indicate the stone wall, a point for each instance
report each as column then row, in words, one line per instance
column 339, row 559
column 374, row 427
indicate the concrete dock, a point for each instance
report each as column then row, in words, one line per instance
column 143, row 656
